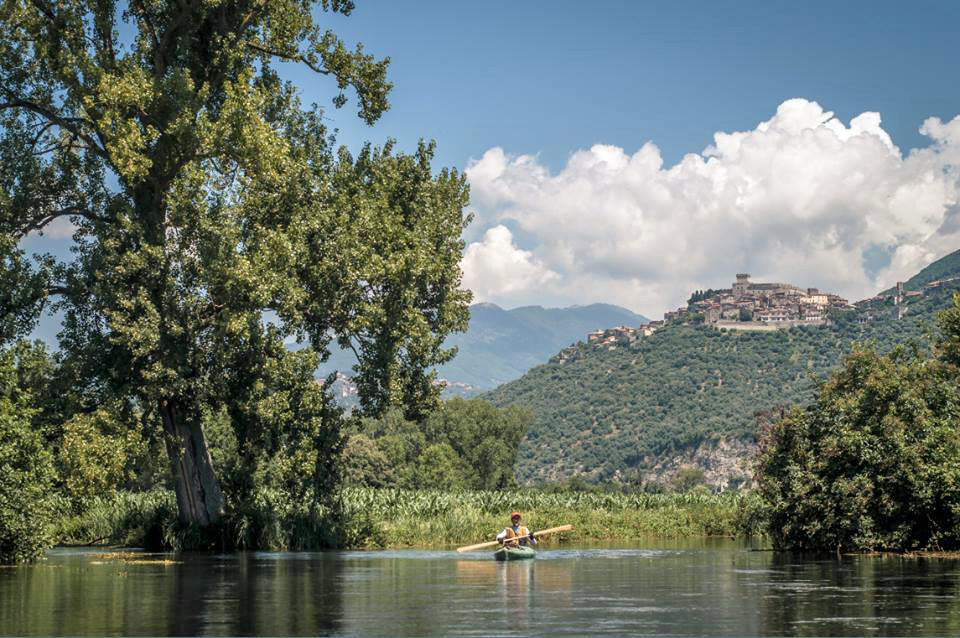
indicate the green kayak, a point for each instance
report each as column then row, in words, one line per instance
column 514, row 553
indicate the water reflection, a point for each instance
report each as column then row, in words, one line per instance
column 85, row 593
column 682, row 590
column 886, row 594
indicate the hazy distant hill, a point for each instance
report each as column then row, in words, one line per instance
column 690, row 394
column 500, row 345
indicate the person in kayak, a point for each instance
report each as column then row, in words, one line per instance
column 516, row 533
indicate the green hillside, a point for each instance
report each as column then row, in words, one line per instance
column 599, row 410
column 944, row 267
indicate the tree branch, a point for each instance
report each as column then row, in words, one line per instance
column 186, row 12
column 44, row 9
column 142, row 11
column 63, row 291
column 72, row 211
column 72, row 124
column 293, row 57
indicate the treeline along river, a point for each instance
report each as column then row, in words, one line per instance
column 669, row 588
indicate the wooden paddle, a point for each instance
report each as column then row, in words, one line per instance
column 552, row 530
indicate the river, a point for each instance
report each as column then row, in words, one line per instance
column 682, row 588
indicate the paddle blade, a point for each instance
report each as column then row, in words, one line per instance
column 470, row 548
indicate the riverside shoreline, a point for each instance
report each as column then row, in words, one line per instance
column 393, row 518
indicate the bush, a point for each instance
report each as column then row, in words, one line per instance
column 688, row 478
column 873, row 464
column 26, row 478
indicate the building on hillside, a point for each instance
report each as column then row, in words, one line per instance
column 612, row 336
column 624, row 331
column 761, row 303
column 767, row 315
column 941, row 282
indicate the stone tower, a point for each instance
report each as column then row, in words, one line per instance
column 900, row 308
column 741, row 285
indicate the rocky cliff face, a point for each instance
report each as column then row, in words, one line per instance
column 725, row 464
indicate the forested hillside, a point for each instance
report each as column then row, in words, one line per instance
column 599, row 411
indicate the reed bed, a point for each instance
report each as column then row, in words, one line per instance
column 125, row 518
column 371, row 518
column 437, row 518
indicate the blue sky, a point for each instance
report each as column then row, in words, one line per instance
column 549, row 78
column 629, row 152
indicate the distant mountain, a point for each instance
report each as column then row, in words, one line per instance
column 501, row 345
column 689, row 395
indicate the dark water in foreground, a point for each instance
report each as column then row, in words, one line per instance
column 699, row 588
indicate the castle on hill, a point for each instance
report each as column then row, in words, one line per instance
column 771, row 304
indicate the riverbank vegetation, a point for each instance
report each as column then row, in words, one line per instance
column 874, row 462
column 393, row 517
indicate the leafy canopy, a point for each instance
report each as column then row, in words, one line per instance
column 214, row 220
column 465, row 444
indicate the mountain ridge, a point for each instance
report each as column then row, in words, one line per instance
column 500, row 345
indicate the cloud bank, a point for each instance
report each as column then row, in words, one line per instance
column 802, row 198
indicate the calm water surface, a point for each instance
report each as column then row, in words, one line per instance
column 697, row 588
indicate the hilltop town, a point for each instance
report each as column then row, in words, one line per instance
column 753, row 306
column 766, row 304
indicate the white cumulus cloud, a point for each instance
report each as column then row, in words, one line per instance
column 802, row 198
column 496, row 268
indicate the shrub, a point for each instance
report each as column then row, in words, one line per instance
column 26, row 478
column 873, row 464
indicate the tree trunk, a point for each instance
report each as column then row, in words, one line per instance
column 199, row 499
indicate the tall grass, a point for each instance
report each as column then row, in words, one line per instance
column 425, row 518
column 126, row 518
column 367, row 517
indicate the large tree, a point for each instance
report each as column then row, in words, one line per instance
column 214, row 219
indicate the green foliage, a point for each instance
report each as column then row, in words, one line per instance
column 429, row 517
column 745, row 314
column 440, row 466
column 280, row 430
column 97, row 455
column 600, row 410
column 874, row 461
column 949, row 337
column 215, row 219
column 26, row 473
column 463, row 444
column 140, row 519
column 369, row 517
column 688, row 479
column 364, row 463
column 485, row 437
